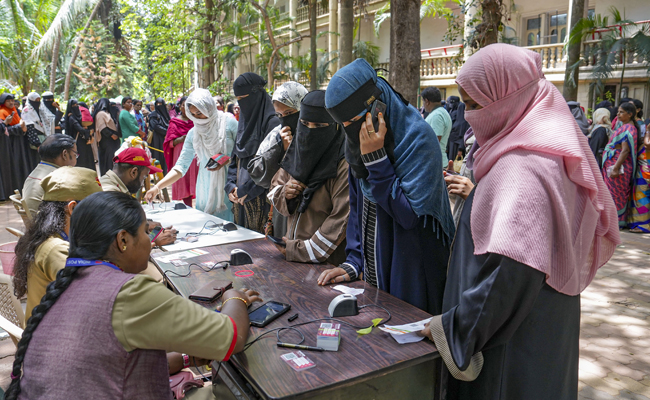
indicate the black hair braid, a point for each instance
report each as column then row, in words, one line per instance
column 54, row 290
column 49, row 221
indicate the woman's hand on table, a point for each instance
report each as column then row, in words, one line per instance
column 167, row 236
column 334, row 275
column 248, row 295
column 426, row 332
column 281, row 249
column 152, row 193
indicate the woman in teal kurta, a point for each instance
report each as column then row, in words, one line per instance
column 217, row 134
column 128, row 125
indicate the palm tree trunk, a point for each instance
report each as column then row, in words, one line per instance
column 68, row 76
column 347, row 32
column 570, row 89
column 405, row 48
column 55, row 61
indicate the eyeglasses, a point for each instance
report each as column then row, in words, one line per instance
column 76, row 153
column 285, row 113
column 315, row 125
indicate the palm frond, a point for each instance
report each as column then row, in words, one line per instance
column 66, row 18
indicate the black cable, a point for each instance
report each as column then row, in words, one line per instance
column 189, row 269
column 217, row 228
column 199, row 371
column 293, row 327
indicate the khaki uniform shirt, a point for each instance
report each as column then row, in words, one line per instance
column 147, row 315
column 32, row 190
column 112, row 183
column 318, row 234
column 49, row 259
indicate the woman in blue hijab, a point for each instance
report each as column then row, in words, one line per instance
column 400, row 225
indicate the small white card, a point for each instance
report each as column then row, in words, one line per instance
column 348, row 290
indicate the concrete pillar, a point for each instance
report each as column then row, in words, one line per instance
column 293, row 13
column 470, row 13
column 333, row 40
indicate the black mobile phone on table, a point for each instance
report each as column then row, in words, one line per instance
column 377, row 107
column 267, row 313
column 155, row 232
column 276, row 241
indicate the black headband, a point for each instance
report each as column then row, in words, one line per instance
column 361, row 99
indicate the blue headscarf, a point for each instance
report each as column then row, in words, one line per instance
column 416, row 155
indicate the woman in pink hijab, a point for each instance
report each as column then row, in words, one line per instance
column 531, row 236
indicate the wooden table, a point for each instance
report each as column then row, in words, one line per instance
column 192, row 220
column 365, row 367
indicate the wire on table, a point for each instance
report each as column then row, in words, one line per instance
column 189, row 269
column 205, row 226
column 293, row 327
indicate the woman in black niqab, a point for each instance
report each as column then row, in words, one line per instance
column 82, row 135
column 257, row 118
column 159, row 123
column 459, row 126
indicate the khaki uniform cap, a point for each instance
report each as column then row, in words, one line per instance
column 70, row 183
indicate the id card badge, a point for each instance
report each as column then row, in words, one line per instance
column 298, row 360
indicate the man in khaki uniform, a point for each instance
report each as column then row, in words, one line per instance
column 57, row 150
column 130, row 168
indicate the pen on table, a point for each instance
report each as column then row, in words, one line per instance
column 293, row 317
column 300, row 347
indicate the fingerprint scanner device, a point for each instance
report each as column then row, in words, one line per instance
column 240, row 257
column 329, row 336
column 343, row 305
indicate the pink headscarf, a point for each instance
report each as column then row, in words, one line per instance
column 540, row 198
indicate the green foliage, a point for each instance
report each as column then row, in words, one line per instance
column 616, row 39
column 367, row 51
column 428, row 8
column 104, row 69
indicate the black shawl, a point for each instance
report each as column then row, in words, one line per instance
column 314, row 154
column 73, row 113
column 257, row 116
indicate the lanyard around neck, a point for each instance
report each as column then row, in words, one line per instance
column 80, row 262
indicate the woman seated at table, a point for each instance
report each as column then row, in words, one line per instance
column 311, row 188
column 42, row 251
column 100, row 316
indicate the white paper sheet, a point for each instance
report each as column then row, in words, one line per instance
column 407, row 333
column 348, row 290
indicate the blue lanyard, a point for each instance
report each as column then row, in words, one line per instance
column 64, row 236
column 51, row 165
column 80, row 262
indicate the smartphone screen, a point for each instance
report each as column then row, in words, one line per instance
column 267, row 312
column 155, row 232
column 377, row 107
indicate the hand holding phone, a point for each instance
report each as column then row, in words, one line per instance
column 155, row 232
column 377, row 107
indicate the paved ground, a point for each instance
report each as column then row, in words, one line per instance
column 615, row 331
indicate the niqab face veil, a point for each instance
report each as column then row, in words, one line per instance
column 161, row 109
column 314, row 154
column 257, row 116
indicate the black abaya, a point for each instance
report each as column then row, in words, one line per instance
column 17, row 160
column 107, row 148
column 527, row 331
column 159, row 127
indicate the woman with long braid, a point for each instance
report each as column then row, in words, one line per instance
column 98, row 313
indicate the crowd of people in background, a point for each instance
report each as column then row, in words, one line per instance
column 329, row 179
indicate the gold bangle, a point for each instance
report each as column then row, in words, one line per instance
column 230, row 298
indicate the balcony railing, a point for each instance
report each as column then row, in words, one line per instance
column 303, row 12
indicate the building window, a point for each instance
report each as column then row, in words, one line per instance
column 557, row 22
column 533, row 31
